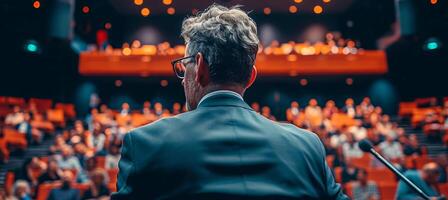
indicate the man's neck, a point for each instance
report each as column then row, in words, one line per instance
column 231, row 87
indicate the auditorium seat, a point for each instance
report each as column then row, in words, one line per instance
column 100, row 162
column 338, row 174
column 17, row 101
column 349, row 189
column 56, row 116
column 45, row 189
column 443, row 188
column 9, row 180
column 112, row 173
column 330, row 160
column 42, row 104
column 14, row 138
column 406, row 108
column 381, row 175
column 387, row 190
column 68, row 108
column 363, row 162
column 340, row 119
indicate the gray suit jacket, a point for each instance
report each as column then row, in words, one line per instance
column 223, row 150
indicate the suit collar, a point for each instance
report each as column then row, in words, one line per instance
column 223, row 99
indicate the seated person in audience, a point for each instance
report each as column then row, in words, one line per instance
column 24, row 127
column 79, row 133
column 384, row 126
column 59, row 142
column 112, row 158
column 442, row 162
column 81, row 153
column 293, row 112
column 158, row 109
column 350, row 149
column 97, row 140
column 425, row 179
column 98, row 187
column 313, row 113
column 330, row 109
column 66, row 160
column 31, row 170
column 91, row 166
column 15, row 117
column 366, row 106
column 22, row 190
column 391, row 149
column 359, row 115
column 358, row 131
column 363, row 189
column 255, row 106
column 91, row 117
column 266, row 112
column 65, row 192
column 412, row 146
column 349, row 107
column 176, row 108
column 331, row 151
column 125, row 109
column 146, row 110
column 349, row 172
column 53, row 173
column 338, row 137
column 104, row 108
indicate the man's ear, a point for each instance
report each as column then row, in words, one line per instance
column 202, row 72
column 253, row 76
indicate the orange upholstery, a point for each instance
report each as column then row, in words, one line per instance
column 139, row 120
column 349, row 189
column 100, row 162
column 45, row 189
column 443, row 188
column 112, row 173
column 406, row 108
column 338, row 174
column 122, row 120
column 387, row 190
column 15, row 101
column 69, row 109
column 340, row 119
column 363, row 162
column 330, row 160
column 9, row 181
column 56, row 116
column 382, row 175
column 42, row 104
column 422, row 160
column 14, row 138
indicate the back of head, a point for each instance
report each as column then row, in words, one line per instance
column 227, row 37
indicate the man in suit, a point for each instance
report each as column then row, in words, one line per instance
column 221, row 148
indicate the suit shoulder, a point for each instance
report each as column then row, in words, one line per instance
column 161, row 126
column 291, row 128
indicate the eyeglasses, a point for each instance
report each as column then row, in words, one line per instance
column 179, row 66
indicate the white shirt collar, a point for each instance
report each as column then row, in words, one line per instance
column 229, row 92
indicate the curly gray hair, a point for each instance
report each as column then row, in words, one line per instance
column 227, row 37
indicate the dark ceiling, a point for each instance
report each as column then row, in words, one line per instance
column 127, row 7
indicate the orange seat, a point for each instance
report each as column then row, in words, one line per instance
column 9, row 180
column 69, row 109
column 14, row 138
column 56, row 116
column 112, row 173
column 42, row 104
column 387, row 190
column 443, row 188
column 330, row 160
column 349, row 189
column 100, row 162
column 362, row 162
column 340, row 119
column 382, row 175
column 44, row 190
column 15, row 101
column 338, row 174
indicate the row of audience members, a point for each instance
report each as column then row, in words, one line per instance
column 76, row 148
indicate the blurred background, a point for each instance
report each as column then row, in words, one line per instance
column 79, row 72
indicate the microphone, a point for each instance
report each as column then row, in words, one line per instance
column 366, row 146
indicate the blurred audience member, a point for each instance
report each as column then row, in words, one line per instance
column 349, row 107
column 313, row 113
column 112, row 157
column 22, row 190
column 255, row 106
column 176, row 108
column 350, row 149
column 80, row 152
column 125, row 109
column 391, row 149
column 293, row 112
column 31, row 170
column 24, row 127
column 66, row 160
column 146, row 110
column 329, row 109
column 266, row 112
column 65, row 192
column 442, row 162
column 412, row 146
column 349, row 172
column 358, row 131
column 97, row 140
column 426, row 179
column 158, row 109
column 98, row 187
column 15, row 117
column 59, row 142
column 53, row 173
column 363, row 189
